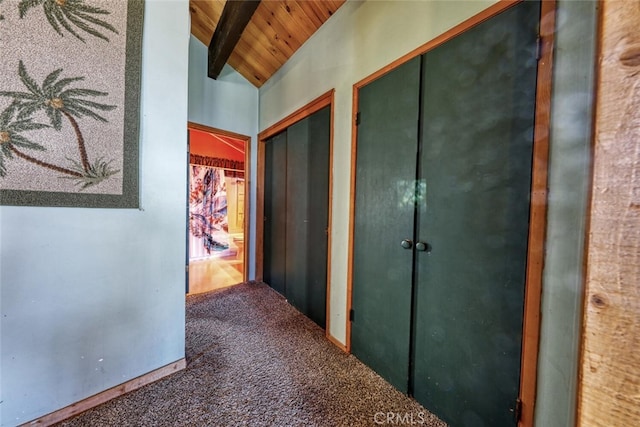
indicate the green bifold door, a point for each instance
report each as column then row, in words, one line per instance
column 443, row 182
column 296, row 211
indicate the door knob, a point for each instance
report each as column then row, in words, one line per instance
column 406, row 243
column 423, row 247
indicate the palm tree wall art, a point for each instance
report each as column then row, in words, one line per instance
column 74, row 16
column 65, row 100
column 58, row 100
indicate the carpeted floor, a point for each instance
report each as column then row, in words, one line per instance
column 253, row 360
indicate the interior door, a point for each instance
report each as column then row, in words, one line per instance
column 384, row 218
column 477, row 138
column 275, row 198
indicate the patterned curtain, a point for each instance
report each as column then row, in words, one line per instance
column 233, row 168
column 208, row 224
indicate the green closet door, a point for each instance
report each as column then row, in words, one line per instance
column 318, row 214
column 477, row 136
column 384, row 217
column 275, row 197
column 307, row 214
column 296, row 204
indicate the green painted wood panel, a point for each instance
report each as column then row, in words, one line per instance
column 307, row 214
column 275, row 196
column 297, row 206
column 297, row 212
column 477, row 135
column 318, row 214
column 384, row 216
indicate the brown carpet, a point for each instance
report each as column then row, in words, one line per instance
column 254, row 360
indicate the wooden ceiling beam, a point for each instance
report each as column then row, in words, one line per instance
column 235, row 17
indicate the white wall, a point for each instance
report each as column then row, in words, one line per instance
column 229, row 103
column 358, row 40
column 92, row 298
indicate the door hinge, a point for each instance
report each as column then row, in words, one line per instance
column 352, row 315
column 186, row 268
column 358, row 118
column 517, row 411
column 538, row 48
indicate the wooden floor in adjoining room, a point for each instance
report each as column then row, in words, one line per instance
column 215, row 273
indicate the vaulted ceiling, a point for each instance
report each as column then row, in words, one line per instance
column 276, row 30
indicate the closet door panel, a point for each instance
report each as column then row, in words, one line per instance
column 307, row 214
column 297, row 208
column 275, row 196
column 478, row 120
column 296, row 212
column 384, row 217
column 318, row 214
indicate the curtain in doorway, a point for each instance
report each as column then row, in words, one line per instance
column 232, row 168
column 208, row 222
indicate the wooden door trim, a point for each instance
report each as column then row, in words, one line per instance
column 538, row 205
column 537, row 216
column 301, row 113
column 247, row 184
column 324, row 100
column 352, row 209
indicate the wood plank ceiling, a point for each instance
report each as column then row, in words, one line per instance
column 276, row 30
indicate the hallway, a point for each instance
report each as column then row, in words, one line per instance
column 252, row 359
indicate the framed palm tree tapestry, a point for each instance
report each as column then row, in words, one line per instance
column 69, row 102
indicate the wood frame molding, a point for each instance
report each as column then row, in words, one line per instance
column 247, row 184
column 102, row 397
column 537, row 216
column 324, row 100
column 301, row 113
column 538, row 203
column 335, row 342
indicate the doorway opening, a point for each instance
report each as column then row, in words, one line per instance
column 218, row 208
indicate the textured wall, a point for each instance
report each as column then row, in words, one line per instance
column 91, row 298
